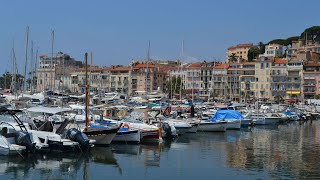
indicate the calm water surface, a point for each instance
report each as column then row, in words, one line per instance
column 289, row 151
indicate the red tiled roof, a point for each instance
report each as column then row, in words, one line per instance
column 240, row 46
column 120, row 68
column 144, row 65
column 194, row 65
column 280, row 61
column 222, row 66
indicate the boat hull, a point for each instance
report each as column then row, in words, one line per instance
column 102, row 137
column 132, row 136
column 268, row 120
column 233, row 125
column 151, row 136
column 246, row 122
column 193, row 129
column 212, row 126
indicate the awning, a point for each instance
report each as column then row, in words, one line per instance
column 293, row 92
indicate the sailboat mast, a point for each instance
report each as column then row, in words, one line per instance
column 36, row 68
column 182, row 54
column 148, row 59
column 26, row 61
column 31, row 69
column 15, row 71
column 91, row 68
column 12, row 72
column 212, row 82
column 86, row 81
column 52, row 79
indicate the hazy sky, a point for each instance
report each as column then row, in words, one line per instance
column 118, row 31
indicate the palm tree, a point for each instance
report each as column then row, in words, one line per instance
column 232, row 57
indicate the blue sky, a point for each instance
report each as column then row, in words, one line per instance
column 119, row 30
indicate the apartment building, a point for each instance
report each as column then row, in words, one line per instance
column 220, row 81
column 262, row 75
column 279, row 78
column 119, row 79
column 51, row 69
column 234, row 72
column 294, row 88
column 247, row 81
column 239, row 51
column 273, row 50
column 193, row 79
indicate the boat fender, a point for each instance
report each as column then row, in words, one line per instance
column 125, row 125
column 23, row 138
column 75, row 135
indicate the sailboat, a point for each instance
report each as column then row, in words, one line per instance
column 102, row 134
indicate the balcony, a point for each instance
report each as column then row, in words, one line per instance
column 308, row 92
column 308, row 84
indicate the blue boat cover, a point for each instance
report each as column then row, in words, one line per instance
column 98, row 127
column 288, row 113
column 227, row 115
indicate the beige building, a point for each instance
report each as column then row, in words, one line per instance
column 279, row 78
column 119, row 79
column 247, row 81
column 262, row 75
column 148, row 78
column 98, row 79
column 239, row 51
column 234, row 72
column 51, row 70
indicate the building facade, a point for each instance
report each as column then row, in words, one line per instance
column 239, row 51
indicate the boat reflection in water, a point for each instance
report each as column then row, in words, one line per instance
column 42, row 166
column 147, row 154
column 288, row 151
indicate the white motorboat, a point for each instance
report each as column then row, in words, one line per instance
column 233, row 124
column 8, row 144
column 127, row 134
column 149, row 133
column 212, row 126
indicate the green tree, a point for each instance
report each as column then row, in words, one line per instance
column 261, row 47
column 313, row 33
column 233, row 58
column 6, row 78
column 253, row 53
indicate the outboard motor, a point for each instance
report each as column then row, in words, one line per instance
column 75, row 135
column 167, row 129
column 23, row 138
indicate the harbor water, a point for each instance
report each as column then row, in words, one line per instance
column 290, row 151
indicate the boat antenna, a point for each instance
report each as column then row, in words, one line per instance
column 86, row 81
column 26, row 61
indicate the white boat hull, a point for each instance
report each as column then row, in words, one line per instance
column 103, row 139
column 130, row 136
column 212, row 126
column 12, row 149
column 234, row 124
column 246, row 122
column 268, row 120
column 194, row 129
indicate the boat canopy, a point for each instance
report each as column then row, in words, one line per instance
column 227, row 115
column 48, row 110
